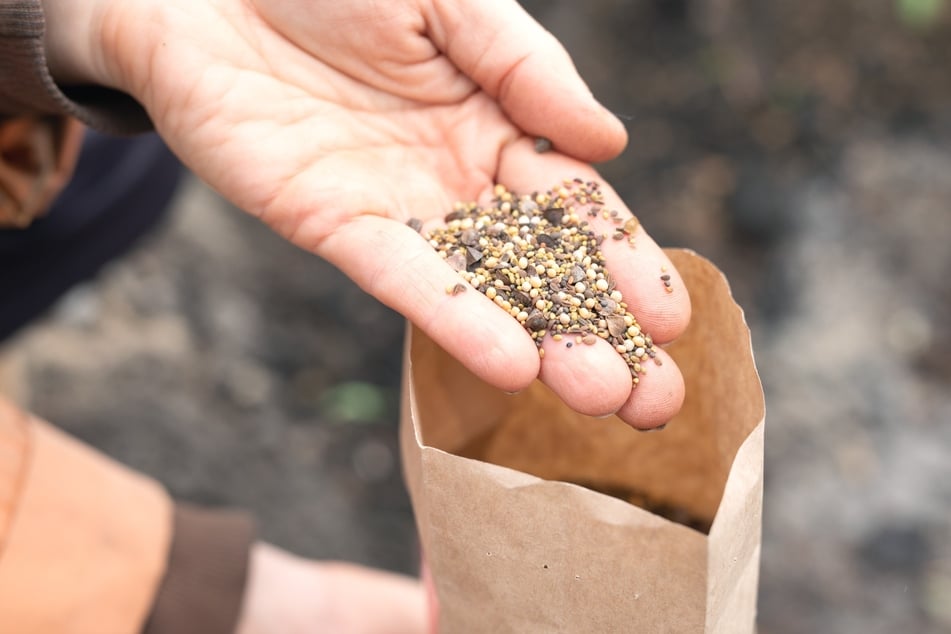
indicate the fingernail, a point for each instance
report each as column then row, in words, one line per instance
column 650, row 429
column 513, row 393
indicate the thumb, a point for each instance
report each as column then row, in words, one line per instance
column 516, row 61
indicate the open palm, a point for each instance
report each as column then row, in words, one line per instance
column 335, row 122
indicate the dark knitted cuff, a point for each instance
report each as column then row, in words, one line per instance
column 26, row 86
column 207, row 569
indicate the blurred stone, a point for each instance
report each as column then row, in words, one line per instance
column 896, row 549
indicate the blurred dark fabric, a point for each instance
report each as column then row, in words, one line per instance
column 121, row 189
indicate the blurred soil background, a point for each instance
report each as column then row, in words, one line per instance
column 802, row 145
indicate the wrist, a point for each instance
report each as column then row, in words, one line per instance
column 73, row 41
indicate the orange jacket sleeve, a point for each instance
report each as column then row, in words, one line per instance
column 83, row 540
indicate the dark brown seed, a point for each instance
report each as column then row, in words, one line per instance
column 608, row 306
column 458, row 288
column 554, row 215
column 569, row 344
column 577, row 274
column 618, row 236
column 472, row 255
column 457, row 261
column 616, row 325
column 469, row 237
column 454, row 215
column 542, row 145
column 665, row 277
column 613, row 213
column 536, row 321
column 415, row 224
column 547, row 240
column 522, row 298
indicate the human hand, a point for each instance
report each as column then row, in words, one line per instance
column 335, row 122
column 286, row 594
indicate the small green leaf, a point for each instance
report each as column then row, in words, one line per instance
column 354, row 402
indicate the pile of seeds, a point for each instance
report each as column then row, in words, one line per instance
column 537, row 258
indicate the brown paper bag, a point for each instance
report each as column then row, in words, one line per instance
column 517, row 497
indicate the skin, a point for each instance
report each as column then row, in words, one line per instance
column 335, row 122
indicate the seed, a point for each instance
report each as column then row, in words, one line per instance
column 565, row 319
column 589, row 340
column 542, row 145
column 415, row 224
column 631, row 225
column 601, row 285
column 490, row 292
column 638, row 341
column 456, row 289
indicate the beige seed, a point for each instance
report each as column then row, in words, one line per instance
column 601, row 285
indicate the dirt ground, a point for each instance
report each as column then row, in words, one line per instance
column 802, row 145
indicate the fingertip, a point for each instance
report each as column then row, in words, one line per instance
column 591, row 379
column 590, row 133
column 491, row 344
column 658, row 396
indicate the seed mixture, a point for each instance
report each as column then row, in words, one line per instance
column 537, row 258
